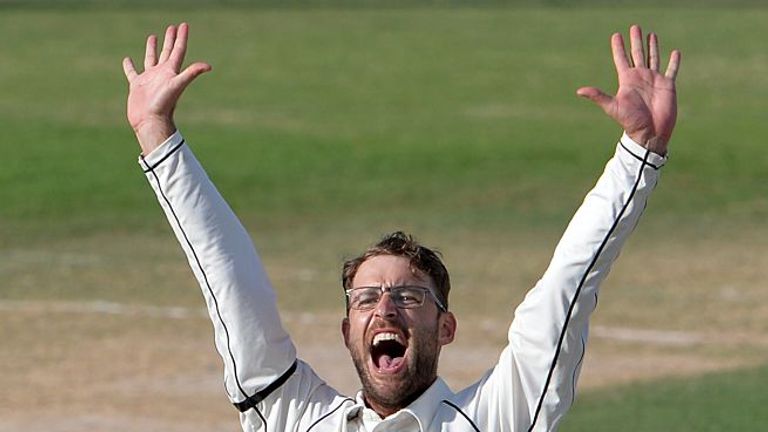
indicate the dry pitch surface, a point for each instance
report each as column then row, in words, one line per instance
column 74, row 364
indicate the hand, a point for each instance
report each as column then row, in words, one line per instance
column 153, row 94
column 646, row 103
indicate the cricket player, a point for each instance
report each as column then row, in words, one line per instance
column 397, row 310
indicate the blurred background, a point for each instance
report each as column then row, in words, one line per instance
column 327, row 124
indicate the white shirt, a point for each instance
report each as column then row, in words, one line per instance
column 530, row 388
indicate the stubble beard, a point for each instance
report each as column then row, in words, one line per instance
column 400, row 390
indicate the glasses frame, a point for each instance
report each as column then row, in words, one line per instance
column 383, row 290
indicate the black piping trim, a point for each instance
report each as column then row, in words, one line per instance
column 252, row 401
column 644, row 160
column 450, row 404
column 317, row 422
column 581, row 360
column 581, row 285
column 162, row 159
column 205, row 279
column 263, row 420
column 578, row 364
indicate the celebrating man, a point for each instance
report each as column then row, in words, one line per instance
column 397, row 291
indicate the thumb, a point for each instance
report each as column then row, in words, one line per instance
column 597, row 96
column 191, row 72
column 129, row 69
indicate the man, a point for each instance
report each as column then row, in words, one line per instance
column 397, row 291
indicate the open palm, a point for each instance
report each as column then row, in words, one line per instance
column 645, row 104
column 154, row 93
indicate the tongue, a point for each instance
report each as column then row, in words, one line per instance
column 387, row 363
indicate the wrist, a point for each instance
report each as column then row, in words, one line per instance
column 151, row 133
column 655, row 144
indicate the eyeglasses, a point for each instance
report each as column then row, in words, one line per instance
column 404, row 297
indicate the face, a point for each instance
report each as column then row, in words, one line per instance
column 395, row 350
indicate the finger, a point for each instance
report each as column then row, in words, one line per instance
column 191, row 72
column 653, row 52
column 168, row 41
column 180, row 47
column 150, row 55
column 597, row 96
column 128, row 69
column 619, row 55
column 674, row 65
column 636, row 46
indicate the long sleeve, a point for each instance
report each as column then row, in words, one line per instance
column 533, row 385
column 253, row 345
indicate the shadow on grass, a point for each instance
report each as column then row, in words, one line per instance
column 725, row 401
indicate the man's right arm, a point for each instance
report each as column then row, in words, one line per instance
column 258, row 355
column 255, row 348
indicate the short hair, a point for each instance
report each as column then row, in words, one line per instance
column 420, row 257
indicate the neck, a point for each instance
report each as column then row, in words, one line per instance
column 386, row 408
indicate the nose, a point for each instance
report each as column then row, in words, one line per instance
column 386, row 308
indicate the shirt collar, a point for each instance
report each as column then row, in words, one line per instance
column 423, row 409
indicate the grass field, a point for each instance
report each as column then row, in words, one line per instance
column 717, row 402
column 325, row 128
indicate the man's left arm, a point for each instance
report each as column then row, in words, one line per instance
column 645, row 106
column 548, row 336
column 533, row 385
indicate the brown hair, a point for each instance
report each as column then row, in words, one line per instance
column 421, row 258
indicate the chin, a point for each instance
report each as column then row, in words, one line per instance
column 396, row 387
column 395, row 368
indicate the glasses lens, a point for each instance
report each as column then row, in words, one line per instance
column 408, row 297
column 404, row 297
column 364, row 298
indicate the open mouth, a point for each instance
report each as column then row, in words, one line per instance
column 388, row 352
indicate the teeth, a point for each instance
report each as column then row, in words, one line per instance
column 387, row 337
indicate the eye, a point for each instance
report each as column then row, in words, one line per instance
column 409, row 296
column 366, row 296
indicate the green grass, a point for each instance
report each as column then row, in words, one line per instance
column 326, row 127
column 461, row 117
column 726, row 401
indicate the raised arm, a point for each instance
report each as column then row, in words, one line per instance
column 255, row 349
column 557, row 310
column 534, row 384
column 154, row 93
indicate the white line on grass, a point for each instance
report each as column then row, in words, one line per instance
column 102, row 307
column 658, row 337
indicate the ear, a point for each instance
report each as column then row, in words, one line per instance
column 447, row 331
column 345, row 331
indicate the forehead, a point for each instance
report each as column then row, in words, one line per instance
column 389, row 270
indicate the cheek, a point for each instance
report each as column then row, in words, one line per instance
column 425, row 328
column 355, row 330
